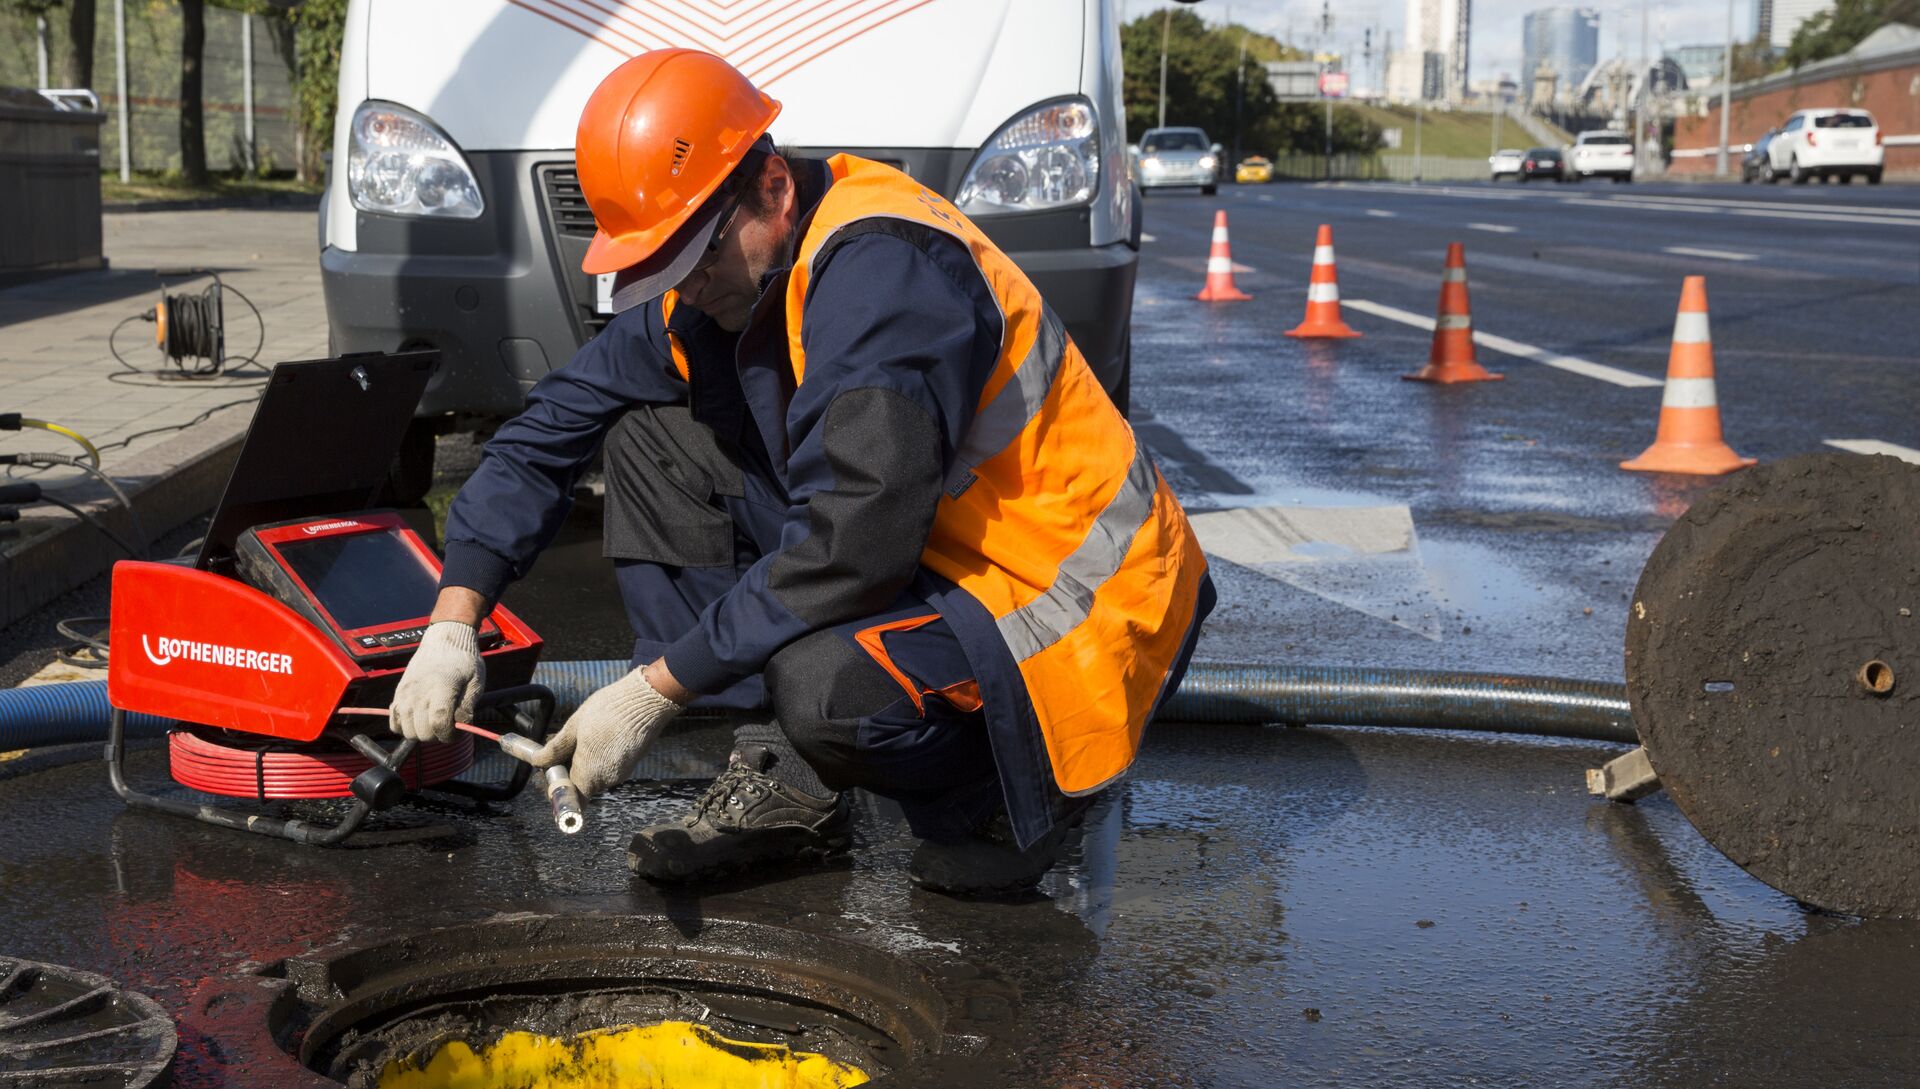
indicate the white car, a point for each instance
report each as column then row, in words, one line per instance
column 1173, row 157
column 1601, row 154
column 1827, row 143
column 1505, row 163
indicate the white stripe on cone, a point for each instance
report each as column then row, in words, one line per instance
column 1454, row 321
column 1323, row 255
column 1323, row 293
column 1218, row 265
column 1690, row 327
column 1689, row 393
column 1219, row 234
column 1453, row 276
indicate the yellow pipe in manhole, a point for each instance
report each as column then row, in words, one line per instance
column 669, row 1055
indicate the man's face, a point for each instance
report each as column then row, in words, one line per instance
column 726, row 283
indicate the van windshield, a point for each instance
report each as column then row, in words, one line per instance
column 1843, row 121
column 1174, row 141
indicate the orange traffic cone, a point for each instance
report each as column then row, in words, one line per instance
column 1689, row 438
column 1452, row 358
column 1220, row 267
column 1323, row 294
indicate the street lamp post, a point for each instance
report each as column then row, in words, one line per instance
column 1166, row 22
column 1726, row 93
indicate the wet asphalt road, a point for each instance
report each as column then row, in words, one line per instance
column 1261, row 906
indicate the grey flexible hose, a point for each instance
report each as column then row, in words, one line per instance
column 1213, row 692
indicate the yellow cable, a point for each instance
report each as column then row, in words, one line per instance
column 92, row 450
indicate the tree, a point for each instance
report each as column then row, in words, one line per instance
column 1845, row 25
column 318, row 28
column 80, row 23
column 193, row 126
column 1201, row 87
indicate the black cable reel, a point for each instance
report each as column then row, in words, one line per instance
column 190, row 329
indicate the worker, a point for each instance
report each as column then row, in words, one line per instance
column 857, row 476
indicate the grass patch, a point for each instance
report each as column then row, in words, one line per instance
column 1445, row 134
column 155, row 186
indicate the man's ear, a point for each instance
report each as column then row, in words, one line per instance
column 776, row 185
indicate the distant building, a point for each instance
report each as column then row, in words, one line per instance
column 1433, row 66
column 1763, row 20
column 1786, row 17
column 1701, row 64
column 1567, row 40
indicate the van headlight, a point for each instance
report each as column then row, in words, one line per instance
column 401, row 164
column 1046, row 157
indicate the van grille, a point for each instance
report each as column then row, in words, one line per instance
column 570, row 225
column 565, row 204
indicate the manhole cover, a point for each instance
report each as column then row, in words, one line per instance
column 560, row 1001
column 1773, row 665
column 61, row 1027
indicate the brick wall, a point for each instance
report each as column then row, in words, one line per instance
column 1892, row 95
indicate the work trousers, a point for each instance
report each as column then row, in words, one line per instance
column 886, row 702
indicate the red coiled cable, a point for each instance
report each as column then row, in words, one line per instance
column 266, row 772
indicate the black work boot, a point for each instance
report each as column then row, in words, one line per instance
column 989, row 862
column 746, row 818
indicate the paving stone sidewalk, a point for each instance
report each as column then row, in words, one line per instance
column 168, row 444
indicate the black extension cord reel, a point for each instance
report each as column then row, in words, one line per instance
column 191, row 326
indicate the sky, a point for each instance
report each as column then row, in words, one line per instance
column 1495, row 43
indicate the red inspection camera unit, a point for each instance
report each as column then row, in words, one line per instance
column 293, row 611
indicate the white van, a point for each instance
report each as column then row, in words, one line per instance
column 453, row 219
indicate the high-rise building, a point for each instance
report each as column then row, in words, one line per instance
column 1566, row 39
column 1763, row 20
column 1786, row 17
column 1433, row 64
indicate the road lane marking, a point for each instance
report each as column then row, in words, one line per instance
column 1266, row 199
column 1145, row 237
column 1875, row 446
column 1518, row 349
column 1534, row 267
column 1821, row 217
column 1866, row 215
column 1718, row 255
column 1381, row 212
column 1496, row 228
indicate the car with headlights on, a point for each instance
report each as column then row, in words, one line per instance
column 1754, row 165
column 453, row 216
column 1172, row 158
column 1542, row 162
column 1253, row 170
column 1505, row 163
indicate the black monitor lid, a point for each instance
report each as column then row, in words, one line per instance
column 322, row 440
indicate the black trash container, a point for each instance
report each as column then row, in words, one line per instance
column 49, row 187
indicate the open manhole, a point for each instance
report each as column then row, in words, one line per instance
column 62, row 1027
column 558, row 1002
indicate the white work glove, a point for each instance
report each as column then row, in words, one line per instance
column 441, row 684
column 604, row 740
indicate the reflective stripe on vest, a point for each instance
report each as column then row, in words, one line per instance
column 667, row 302
column 1055, row 518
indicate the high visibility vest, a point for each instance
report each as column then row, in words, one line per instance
column 1055, row 518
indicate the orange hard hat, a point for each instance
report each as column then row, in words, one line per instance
column 658, row 137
